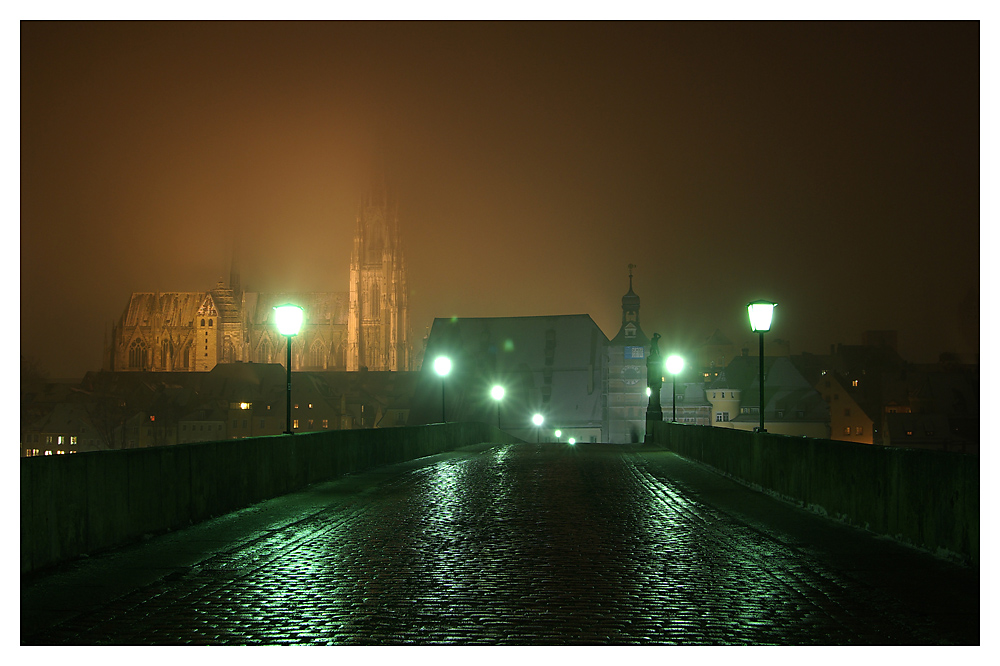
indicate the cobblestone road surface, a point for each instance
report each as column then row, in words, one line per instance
column 512, row 544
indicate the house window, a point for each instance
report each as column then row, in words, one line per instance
column 62, row 440
column 234, row 423
column 847, row 412
column 859, row 430
column 326, row 423
column 847, row 430
column 721, row 417
column 295, row 423
column 209, row 322
column 309, row 424
column 244, row 423
column 854, row 383
column 48, row 439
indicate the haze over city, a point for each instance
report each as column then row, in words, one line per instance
column 830, row 167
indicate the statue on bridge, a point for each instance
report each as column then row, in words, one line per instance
column 654, row 380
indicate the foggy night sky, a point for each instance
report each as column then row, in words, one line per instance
column 831, row 167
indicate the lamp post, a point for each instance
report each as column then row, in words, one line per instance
column 760, row 321
column 674, row 365
column 497, row 392
column 538, row 420
column 288, row 318
column 442, row 366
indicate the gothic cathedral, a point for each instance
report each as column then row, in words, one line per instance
column 364, row 328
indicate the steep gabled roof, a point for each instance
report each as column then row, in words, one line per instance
column 177, row 308
column 319, row 307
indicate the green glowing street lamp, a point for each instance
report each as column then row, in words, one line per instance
column 288, row 319
column 558, row 434
column 538, row 420
column 442, row 366
column 497, row 392
column 674, row 366
column 760, row 321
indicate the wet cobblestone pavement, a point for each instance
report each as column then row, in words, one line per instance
column 512, row 544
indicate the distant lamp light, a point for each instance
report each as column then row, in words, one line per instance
column 497, row 392
column 674, row 366
column 572, row 441
column 538, row 420
column 649, row 391
column 558, row 434
column 760, row 315
column 442, row 366
column 288, row 319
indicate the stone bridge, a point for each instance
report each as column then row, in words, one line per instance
column 461, row 534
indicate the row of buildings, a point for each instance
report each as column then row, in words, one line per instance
column 564, row 367
column 196, row 366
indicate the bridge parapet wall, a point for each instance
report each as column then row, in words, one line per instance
column 92, row 501
column 929, row 499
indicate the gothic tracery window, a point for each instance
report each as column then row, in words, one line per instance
column 316, row 355
column 137, row 354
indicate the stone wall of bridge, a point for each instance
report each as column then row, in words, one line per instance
column 929, row 499
column 88, row 502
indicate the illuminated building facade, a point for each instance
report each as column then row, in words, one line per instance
column 365, row 327
column 626, row 376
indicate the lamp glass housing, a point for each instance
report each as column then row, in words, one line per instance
column 288, row 318
column 760, row 315
column 442, row 365
column 537, row 419
column 497, row 392
column 675, row 364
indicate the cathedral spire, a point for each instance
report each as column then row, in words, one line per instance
column 234, row 269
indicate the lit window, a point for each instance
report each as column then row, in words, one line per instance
column 60, row 453
column 854, row 383
column 48, row 453
column 859, row 431
column 326, row 423
column 295, row 423
column 296, row 405
column 62, row 440
column 310, row 405
column 847, row 430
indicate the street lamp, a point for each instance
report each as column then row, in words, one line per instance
column 674, row 365
column 288, row 318
column 442, row 366
column 760, row 321
column 538, row 420
column 558, row 434
column 497, row 392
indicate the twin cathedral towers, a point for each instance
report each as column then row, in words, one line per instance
column 366, row 327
